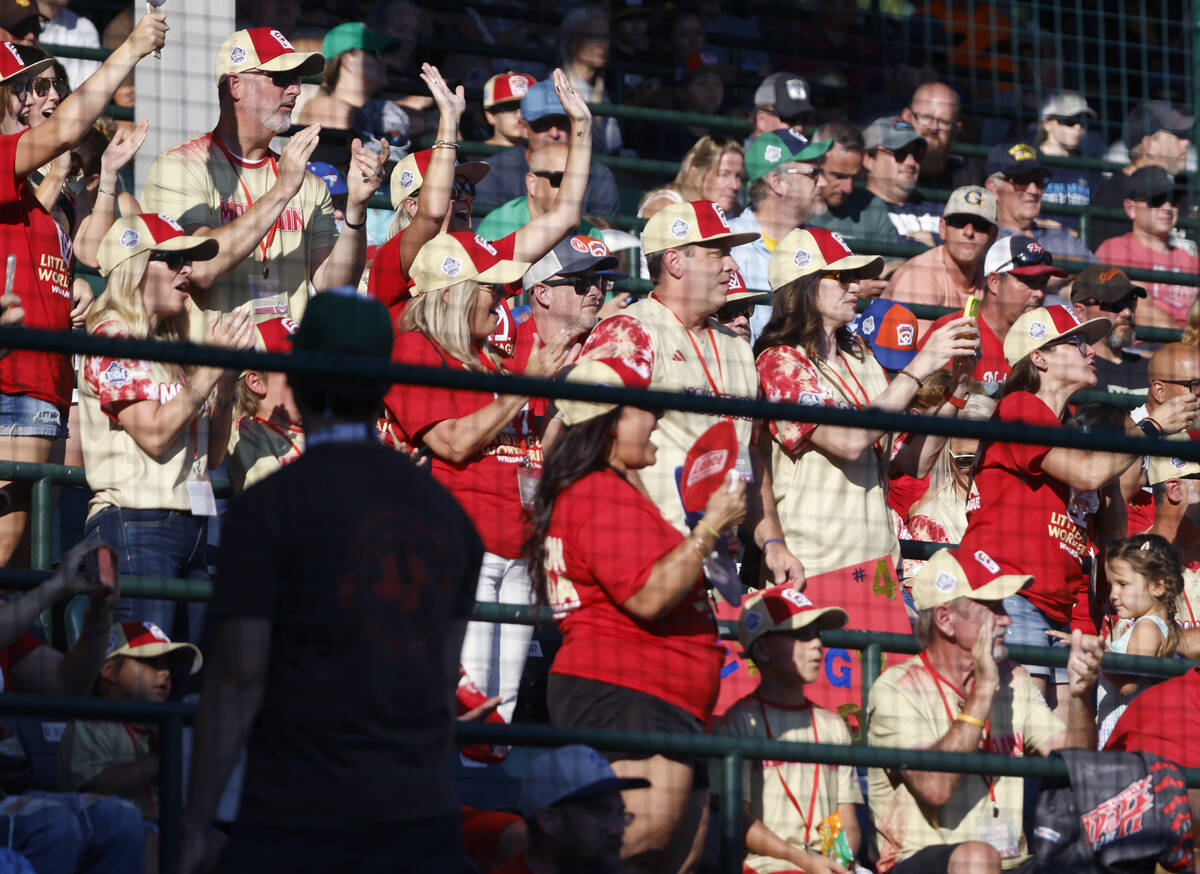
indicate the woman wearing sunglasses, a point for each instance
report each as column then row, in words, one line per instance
column 35, row 387
column 151, row 431
column 831, row 482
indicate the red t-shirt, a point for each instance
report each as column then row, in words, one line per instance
column 13, row 653
column 604, row 538
column 1026, row 521
column 1141, row 511
column 1164, row 720
column 42, row 280
column 904, row 491
column 486, row 484
column 992, row 366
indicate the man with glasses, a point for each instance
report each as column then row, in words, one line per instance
column 1152, row 201
column 546, row 168
column 1017, row 177
column 739, row 307
column 1174, row 375
column 1157, row 135
column 894, row 151
column 934, row 112
column 543, row 121
column 948, row 274
column 783, row 171
column 273, row 219
column 1105, row 292
column 1016, row 271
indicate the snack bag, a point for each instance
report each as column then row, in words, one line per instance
column 832, row 841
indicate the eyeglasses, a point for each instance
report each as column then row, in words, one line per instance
column 1072, row 120
column 463, row 188
column 279, row 78
column 981, row 225
column 924, row 119
column 914, row 150
column 583, row 284
column 733, row 311
column 41, row 87
column 1077, row 340
column 810, row 172
column 1193, row 385
column 1025, row 180
column 554, row 177
column 175, row 261
column 1115, row 307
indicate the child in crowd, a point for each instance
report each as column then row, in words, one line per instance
column 121, row 758
column 799, row 816
column 267, row 433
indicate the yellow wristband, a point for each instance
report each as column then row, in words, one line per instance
column 970, row 720
column 715, row 532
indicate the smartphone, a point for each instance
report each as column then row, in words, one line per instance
column 99, row 566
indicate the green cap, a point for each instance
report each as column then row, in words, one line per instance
column 772, row 149
column 340, row 320
column 352, row 35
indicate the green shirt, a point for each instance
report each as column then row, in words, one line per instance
column 514, row 215
column 862, row 216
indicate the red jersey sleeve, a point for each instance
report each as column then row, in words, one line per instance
column 621, row 337
column 386, row 281
column 417, row 407
column 119, row 380
column 1028, row 408
column 786, row 374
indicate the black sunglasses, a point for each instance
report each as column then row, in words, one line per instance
column 1029, row 257
column 463, row 188
column 1166, row 198
column 279, row 78
column 41, row 87
column 175, row 261
column 981, row 225
column 554, row 177
column 1072, row 120
column 584, row 284
column 1024, row 180
column 732, row 311
column 1128, row 302
column 544, row 124
column 917, row 150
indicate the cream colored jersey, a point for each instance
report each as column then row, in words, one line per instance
column 822, row 499
column 201, row 183
column 910, row 707
column 715, row 362
column 1187, row 605
column 88, row 749
column 258, row 448
column 817, row 789
column 119, row 472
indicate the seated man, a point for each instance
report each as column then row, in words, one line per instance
column 962, row 695
column 1100, row 291
column 547, row 166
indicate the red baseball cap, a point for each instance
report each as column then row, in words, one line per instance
column 275, row 335
column 507, row 87
column 15, row 60
column 264, row 49
column 783, row 608
column 145, row 640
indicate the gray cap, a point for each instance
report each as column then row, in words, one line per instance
column 787, row 92
column 1066, row 104
column 891, row 133
column 575, row 254
column 1147, row 119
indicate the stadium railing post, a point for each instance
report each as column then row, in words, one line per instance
column 732, row 849
column 170, row 791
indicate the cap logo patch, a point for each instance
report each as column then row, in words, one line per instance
column 945, row 582
column 987, row 561
column 1178, row 463
column 707, row 464
column 868, row 325
column 406, row 179
column 518, row 85
column 680, row 229
column 115, row 375
column 486, row 246
column 1035, row 248
column 841, row 242
column 753, row 620
column 772, row 153
column 597, row 247
column 237, row 55
column 12, row 50
column 904, row 335
column 1109, row 275
column 720, row 215
column 156, row 632
column 451, row 266
column 735, row 281
column 1023, row 152
column 130, row 238
column 1037, row 330
column 578, row 244
column 802, row 258
column 170, row 221
column 973, row 197
column 288, row 325
column 797, row 599
column 810, row 399
column 282, row 40
column 796, row 89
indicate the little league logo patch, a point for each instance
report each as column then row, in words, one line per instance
column 115, row 375
column 1037, row 330
column 130, row 238
column 809, row 399
column 945, row 582
column 1178, row 463
column 868, row 325
column 451, row 266
column 406, row 179
column 906, row 336
column 796, row 599
column 237, row 55
column 579, row 244
column 518, row 86
column 680, row 229
column 802, row 258
column 597, row 247
column 772, row 153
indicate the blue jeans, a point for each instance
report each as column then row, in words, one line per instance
column 157, row 543
column 25, row 416
column 1029, row 626
column 65, row 833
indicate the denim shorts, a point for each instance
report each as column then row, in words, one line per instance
column 25, row 416
column 1029, row 626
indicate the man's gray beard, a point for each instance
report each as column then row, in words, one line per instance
column 277, row 123
column 1116, row 343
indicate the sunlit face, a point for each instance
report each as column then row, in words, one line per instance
column 1018, row 294
column 1019, row 198
column 971, row 619
column 631, row 446
column 1067, row 134
column 839, row 170
column 39, row 108
column 837, row 301
column 269, row 98
column 166, row 286
column 1167, row 150
column 897, row 169
column 706, row 273
column 723, row 183
column 792, row 656
column 484, row 314
column 1155, row 217
column 578, row 312
column 1132, row 594
column 505, row 120
column 967, row 238
column 1072, row 361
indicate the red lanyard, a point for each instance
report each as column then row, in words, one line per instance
column 938, row 679
column 282, row 432
column 235, row 162
column 849, row 392
column 812, row 801
column 696, row 346
column 1188, row 603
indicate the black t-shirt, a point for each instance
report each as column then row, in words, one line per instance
column 1128, row 377
column 1111, row 194
column 366, row 568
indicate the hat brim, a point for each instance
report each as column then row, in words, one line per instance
column 731, row 239
column 1093, row 330
column 472, row 171
column 739, row 296
column 154, row 650
column 1000, row 588
column 503, row 272
column 306, row 63
column 36, row 67
column 201, row 248
column 605, row 786
column 1038, row 270
column 870, row 266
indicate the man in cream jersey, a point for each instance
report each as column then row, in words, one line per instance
column 272, row 218
column 672, row 331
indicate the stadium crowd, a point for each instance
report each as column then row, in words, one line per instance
column 369, row 519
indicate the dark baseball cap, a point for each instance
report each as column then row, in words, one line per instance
column 1147, row 119
column 1148, row 183
column 575, row 255
column 891, row 133
column 1103, row 284
column 15, row 17
column 787, row 92
column 1015, row 158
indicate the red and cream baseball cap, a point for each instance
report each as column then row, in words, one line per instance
column 266, row 50
column 683, row 224
column 783, row 608
column 15, row 60
column 738, row 290
column 1040, row 327
column 409, row 174
column 145, row 640
column 507, row 87
column 449, row 259
column 955, row 573
column 1159, row 468
column 149, row 232
column 816, row 250
column 612, row 372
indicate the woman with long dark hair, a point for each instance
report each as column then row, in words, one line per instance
column 640, row 648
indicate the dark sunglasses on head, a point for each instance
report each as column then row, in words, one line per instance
column 963, row 462
column 1029, row 257
column 554, row 177
column 1072, row 120
column 41, row 87
column 584, row 284
column 1128, row 302
column 981, row 225
column 175, row 261
column 733, row 311
column 462, row 188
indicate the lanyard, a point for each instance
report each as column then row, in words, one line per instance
column 812, row 801
column 699, row 354
column 234, row 162
column 849, row 392
column 1188, row 603
column 938, row 680
column 282, row 432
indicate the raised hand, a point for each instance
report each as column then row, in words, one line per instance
column 150, row 34
column 366, row 171
column 573, row 105
column 121, row 149
column 293, row 160
column 449, row 103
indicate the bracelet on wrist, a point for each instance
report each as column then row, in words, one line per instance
column 767, row 543
column 906, row 372
column 355, row 227
column 970, row 720
column 446, row 144
column 100, row 190
column 1150, row 427
column 715, row 533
